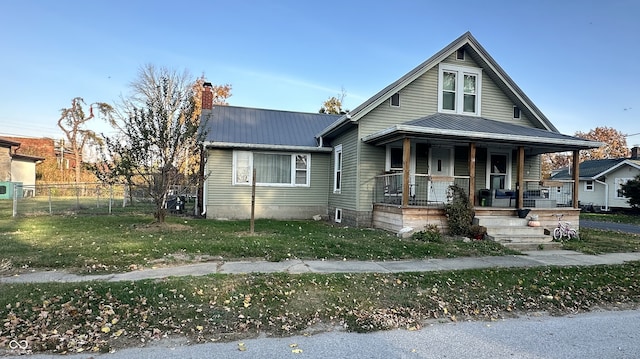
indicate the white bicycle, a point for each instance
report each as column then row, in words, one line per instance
column 564, row 230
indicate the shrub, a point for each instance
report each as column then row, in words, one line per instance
column 459, row 211
column 431, row 233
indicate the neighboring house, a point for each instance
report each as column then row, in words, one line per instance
column 48, row 148
column 388, row 163
column 601, row 181
column 16, row 168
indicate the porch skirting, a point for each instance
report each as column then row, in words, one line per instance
column 394, row 218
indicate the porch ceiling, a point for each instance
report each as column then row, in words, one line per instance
column 459, row 128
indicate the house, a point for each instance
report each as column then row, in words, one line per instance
column 600, row 181
column 16, row 168
column 457, row 118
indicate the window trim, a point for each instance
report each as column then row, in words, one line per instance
column 490, row 172
column 294, row 170
column 338, row 169
column 391, row 101
column 460, row 54
column 338, row 215
column 460, row 71
column 618, row 182
column 589, row 186
column 517, row 112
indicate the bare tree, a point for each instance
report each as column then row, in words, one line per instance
column 158, row 125
column 73, row 122
column 333, row 105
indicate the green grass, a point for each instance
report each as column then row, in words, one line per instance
column 98, row 316
column 117, row 243
column 595, row 241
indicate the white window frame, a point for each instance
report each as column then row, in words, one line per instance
column 517, row 112
column 338, row 170
column 338, row 215
column 246, row 178
column 460, row 71
column 589, row 186
column 618, row 183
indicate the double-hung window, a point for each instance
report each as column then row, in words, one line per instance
column 272, row 169
column 337, row 169
column 459, row 89
column 588, row 186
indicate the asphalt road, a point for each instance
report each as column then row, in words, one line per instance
column 610, row 226
column 606, row 334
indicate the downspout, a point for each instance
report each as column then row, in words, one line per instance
column 606, row 194
column 203, row 164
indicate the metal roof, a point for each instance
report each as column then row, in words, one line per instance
column 231, row 126
column 479, row 129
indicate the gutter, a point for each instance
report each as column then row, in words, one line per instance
column 255, row 146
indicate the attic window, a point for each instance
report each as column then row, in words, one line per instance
column 516, row 112
column 460, row 54
column 395, row 100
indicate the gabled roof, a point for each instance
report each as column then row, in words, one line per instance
column 480, row 56
column 242, row 127
column 480, row 129
column 594, row 169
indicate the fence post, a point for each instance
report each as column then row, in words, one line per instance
column 15, row 200
column 50, row 207
column 110, row 197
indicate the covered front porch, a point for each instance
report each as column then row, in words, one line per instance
column 496, row 164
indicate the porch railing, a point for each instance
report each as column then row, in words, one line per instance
column 424, row 190
column 548, row 193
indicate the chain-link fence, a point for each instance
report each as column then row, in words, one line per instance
column 92, row 198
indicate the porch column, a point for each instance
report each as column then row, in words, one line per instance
column 520, row 178
column 472, row 173
column 576, row 178
column 406, row 160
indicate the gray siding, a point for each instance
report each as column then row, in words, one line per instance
column 225, row 200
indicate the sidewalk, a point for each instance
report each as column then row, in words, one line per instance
column 296, row 266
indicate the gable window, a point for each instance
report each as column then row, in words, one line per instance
column 337, row 169
column 272, row 169
column 516, row 112
column 459, row 89
column 395, row 100
column 588, row 186
column 460, row 54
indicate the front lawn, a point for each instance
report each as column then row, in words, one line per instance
column 121, row 243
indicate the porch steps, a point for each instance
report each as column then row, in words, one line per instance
column 514, row 233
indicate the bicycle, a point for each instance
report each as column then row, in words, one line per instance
column 563, row 229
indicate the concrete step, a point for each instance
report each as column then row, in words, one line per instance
column 513, row 232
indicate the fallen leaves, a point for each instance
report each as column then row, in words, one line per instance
column 67, row 318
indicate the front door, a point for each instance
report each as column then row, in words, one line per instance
column 499, row 171
column 441, row 170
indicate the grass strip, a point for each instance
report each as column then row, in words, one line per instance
column 98, row 316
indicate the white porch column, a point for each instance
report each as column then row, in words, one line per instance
column 472, row 173
column 576, row 178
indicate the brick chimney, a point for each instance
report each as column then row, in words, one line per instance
column 207, row 96
column 635, row 153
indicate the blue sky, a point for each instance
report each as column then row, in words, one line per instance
column 576, row 60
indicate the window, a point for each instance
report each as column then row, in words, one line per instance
column 499, row 171
column 516, row 112
column 460, row 54
column 618, row 186
column 337, row 165
column 395, row 100
column 272, row 169
column 396, row 159
column 338, row 216
column 459, row 89
column 588, row 186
